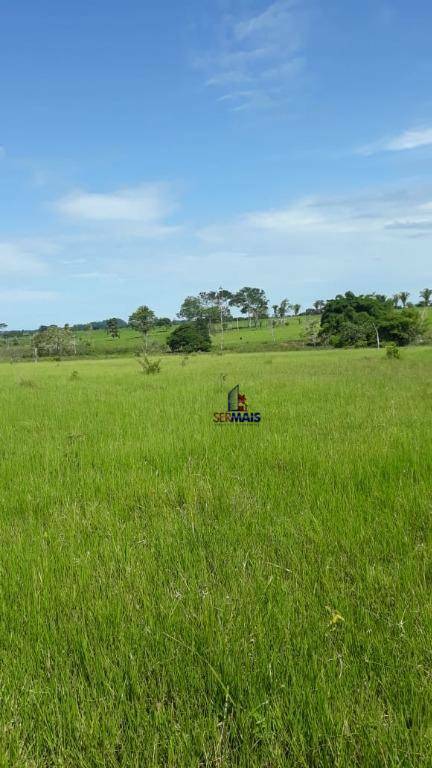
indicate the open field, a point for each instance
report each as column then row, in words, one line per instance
column 185, row 594
column 97, row 343
column 243, row 339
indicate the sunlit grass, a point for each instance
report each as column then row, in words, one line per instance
column 180, row 593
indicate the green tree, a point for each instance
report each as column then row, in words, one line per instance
column 366, row 320
column 53, row 340
column 252, row 302
column 296, row 309
column 190, row 337
column 311, row 332
column 283, row 309
column 112, row 327
column 319, row 305
column 404, row 296
column 143, row 320
column 191, row 309
column 220, row 301
column 426, row 297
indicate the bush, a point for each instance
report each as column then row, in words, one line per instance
column 392, row 351
column 190, row 337
column 357, row 321
column 149, row 366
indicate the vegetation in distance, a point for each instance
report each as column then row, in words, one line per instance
column 209, row 321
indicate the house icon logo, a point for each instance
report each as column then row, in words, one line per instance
column 236, row 401
column 238, row 410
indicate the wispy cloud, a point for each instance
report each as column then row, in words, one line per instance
column 146, row 207
column 366, row 213
column 410, row 139
column 258, row 57
column 25, row 256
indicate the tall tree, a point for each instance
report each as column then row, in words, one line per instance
column 426, row 296
column 395, row 299
column 319, row 305
column 112, row 328
column 283, row 309
column 252, row 302
column 191, row 309
column 296, row 309
column 404, row 296
column 221, row 300
column 143, row 320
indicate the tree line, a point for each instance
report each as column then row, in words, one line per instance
column 347, row 320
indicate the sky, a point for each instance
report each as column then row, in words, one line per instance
column 151, row 150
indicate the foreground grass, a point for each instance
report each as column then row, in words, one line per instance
column 180, row 593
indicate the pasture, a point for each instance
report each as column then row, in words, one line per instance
column 181, row 593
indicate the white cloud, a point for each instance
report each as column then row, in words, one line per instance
column 258, row 56
column 146, row 206
column 410, row 139
column 374, row 240
column 24, row 257
column 374, row 213
column 270, row 24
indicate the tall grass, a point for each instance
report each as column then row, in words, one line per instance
column 180, row 593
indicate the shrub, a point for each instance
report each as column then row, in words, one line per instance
column 149, row 366
column 392, row 351
column 190, row 337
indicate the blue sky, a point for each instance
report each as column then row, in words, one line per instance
column 150, row 150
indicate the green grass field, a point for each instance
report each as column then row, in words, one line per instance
column 245, row 339
column 185, row 594
column 292, row 333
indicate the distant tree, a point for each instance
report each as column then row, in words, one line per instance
column 2, row 326
column 319, row 305
column 252, row 302
column 191, row 309
column 366, row 320
column 221, row 300
column 112, row 328
column 143, row 320
column 283, row 309
column 161, row 322
column 426, row 297
column 190, row 337
column 404, row 296
column 311, row 332
column 296, row 309
column 395, row 299
column 54, row 340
